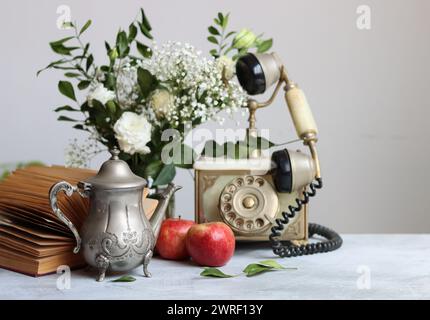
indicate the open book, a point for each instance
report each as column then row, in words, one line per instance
column 32, row 239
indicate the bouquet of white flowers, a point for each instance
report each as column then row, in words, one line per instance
column 133, row 98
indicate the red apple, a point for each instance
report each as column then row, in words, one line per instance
column 171, row 239
column 210, row 244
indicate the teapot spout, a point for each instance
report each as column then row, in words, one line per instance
column 160, row 211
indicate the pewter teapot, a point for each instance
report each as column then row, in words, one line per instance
column 116, row 234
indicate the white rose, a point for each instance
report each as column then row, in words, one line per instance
column 133, row 132
column 161, row 102
column 100, row 93
column 227, row 64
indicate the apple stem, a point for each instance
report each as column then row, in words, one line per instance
column 179, row 217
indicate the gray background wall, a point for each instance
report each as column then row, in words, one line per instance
column 369, row 91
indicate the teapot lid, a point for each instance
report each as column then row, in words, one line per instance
column 115, row 173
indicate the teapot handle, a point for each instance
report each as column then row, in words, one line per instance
column 68, row 190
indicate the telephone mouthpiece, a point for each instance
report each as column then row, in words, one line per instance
column 257, row 72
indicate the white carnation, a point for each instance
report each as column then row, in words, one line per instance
column 133, row 132
column 100, row 93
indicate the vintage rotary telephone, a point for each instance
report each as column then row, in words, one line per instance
column 263, row 198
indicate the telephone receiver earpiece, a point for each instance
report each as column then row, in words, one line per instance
column 257, row 72
column 292, row 170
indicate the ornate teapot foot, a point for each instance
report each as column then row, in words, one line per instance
column 146, row 261
column 102, row 264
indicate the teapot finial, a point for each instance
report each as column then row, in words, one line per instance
column 115, row 153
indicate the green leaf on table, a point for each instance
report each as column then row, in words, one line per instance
column 143, row 49
column 125, row 279
column 263, row 266
column 65, row 108
column 265, row 46
column 66, row 89
column 271, row 263
column 85, row 27
column 166, row 175
column 147, row 82
column 255, row 268
column 214, row 273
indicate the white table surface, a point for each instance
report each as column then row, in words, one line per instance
column 398, row 267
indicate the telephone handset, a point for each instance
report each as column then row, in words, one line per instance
column 292, row 171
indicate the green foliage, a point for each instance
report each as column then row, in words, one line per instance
column 122, row 44
column 241, row 149
column 262, row 266
column 60, row 48
column 125, row 279
column 166, row 175
column 65, row 108
column 227, row 41
column 79, row 65
column 85, row 27
column 250, row 270
column 64, row 118
column 264, row 46
column 82, row 85
column 132, row 33
column 6, row 170
column 66, row 88
column 214, row 273
column 147, row 82
column 143, row 49
column 144, row 26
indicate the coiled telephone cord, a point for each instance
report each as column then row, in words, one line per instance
column 333, row 240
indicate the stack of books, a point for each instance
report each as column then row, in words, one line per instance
column 33, row 240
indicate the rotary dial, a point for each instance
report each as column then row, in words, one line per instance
column 248, row 204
